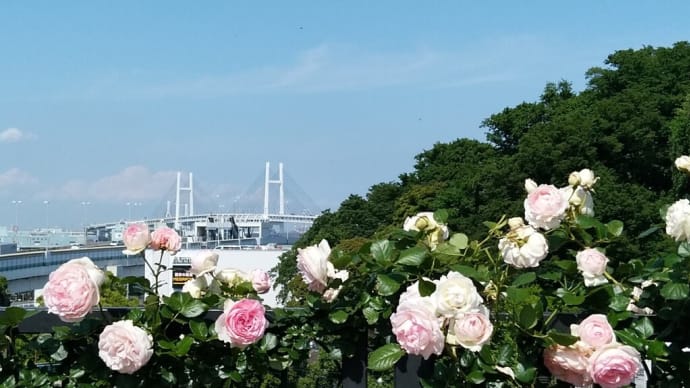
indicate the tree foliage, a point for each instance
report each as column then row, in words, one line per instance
column 629, row 124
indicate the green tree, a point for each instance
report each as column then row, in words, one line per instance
column 4, row 292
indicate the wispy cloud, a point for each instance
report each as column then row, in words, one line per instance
column 14, row 177
column 338, row 68
column 134, row 183
column 13, row 135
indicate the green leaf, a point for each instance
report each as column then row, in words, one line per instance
column 76, row 373
column 675, row 291
column 371, row 315
column 441, row 216
column 338, row 317
column 523, row 374
column 268, row 342
column 198, row 329
column 459, row 240
column 586, row 222
column 193, row 308
column 517, row 295
column 385, row 357
column 615, row 228
column 382, row 251
column 476, row 377
column 573, row 299
column 175, row 301
column 182, row 347
column 644, row 326
column 505, row 355
column 648, row 232
column 426, row 287
column 385, row 285
column 562, row 338
column 656, row 349
column 631, row 338
column 412, row 256
column 619, row 302
column 684, row 249
column 168, row 376
column 528, row 317
column 13, row 316
column 60, row 354
column 525, row 278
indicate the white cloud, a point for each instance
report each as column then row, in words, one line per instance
column 134, row 183
column 13, row 135
column 14, row 177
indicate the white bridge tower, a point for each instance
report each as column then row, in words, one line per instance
column 280, row 182
column 189, row 206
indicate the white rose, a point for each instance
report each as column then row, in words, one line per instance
column 587, row 178
column 312, row 263
column 425, row 222
column 574, row 178
column 231, row 276
column 678, row 220
column 195, row 286
column 523, row 247
column 683, row 163
column 530, row 185
column 204, row 262
column 455, row 294
column 579, row 199
column 592, row 264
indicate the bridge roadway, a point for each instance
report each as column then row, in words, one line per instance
column 28, row 271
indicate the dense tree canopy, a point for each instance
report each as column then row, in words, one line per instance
column 628, row 125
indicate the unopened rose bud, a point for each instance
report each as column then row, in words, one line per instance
column 574, row 178
column 515, row 223
column 422, row 223
column 530, row 185
column 683, row 163
column 587, row 178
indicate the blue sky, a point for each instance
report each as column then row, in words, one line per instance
column 102, row 102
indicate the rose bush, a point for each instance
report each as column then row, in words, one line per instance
column 543, row 298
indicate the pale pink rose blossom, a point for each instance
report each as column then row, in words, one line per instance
column 614, row 365
column 678, row 220
column 472, row 330
column 425, row 222
column 580, row 200
column 136, row 238
column 167, row 239
column 595, row 331
column 125, row 348
column 242, row 323
column 412, row 294
column 592, row 264
column 203, row 262
column 417, row 329
column 312, row 263
column 567, row 364
column 231, row 276
column 261, row 281
column 545, row 207
column 95, row 273
column 195, row 287
column 71, row 292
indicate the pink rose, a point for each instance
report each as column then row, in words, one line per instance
column 592, row 264
column 125, row 348
column 545, row 207
column 614, row 365
column 167, row 239
column 417, row 329
column 567, row 364
column 472, row 330
column 312, row 263
column 71, row 292
column 203, row 262
column 242, row 323
column 261, row 281
column 136, row 238
column 594, row 331
column 95, row 273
